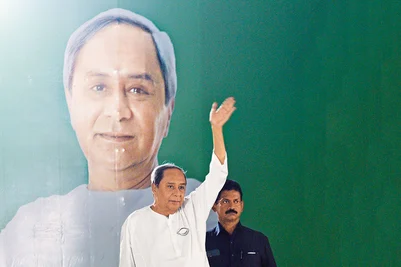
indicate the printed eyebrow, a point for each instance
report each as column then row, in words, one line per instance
column 135, row 76
column 143, row 76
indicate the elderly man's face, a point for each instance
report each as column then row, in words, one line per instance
column 169, row 194
column 117, row 98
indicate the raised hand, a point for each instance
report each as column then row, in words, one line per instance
column 218, row 117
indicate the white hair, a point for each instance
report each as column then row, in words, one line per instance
column 161, row 40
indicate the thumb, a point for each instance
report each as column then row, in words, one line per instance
column 214, row 107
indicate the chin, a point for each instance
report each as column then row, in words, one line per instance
column 111, row 165
column 119, row 165
column 231, row 218
column 111, row 161
column 172, row 211
column 175, row 207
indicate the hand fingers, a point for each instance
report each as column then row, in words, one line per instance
column 214, row 107
column 227, row 105
column 230, row 112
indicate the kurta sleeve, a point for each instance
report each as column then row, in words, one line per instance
column 126, row 255
column 204, row 196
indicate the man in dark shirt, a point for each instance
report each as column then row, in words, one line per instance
column 230, row 244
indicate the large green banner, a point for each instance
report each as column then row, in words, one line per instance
column 315, row 142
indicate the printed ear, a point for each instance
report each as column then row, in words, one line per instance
column 68, row 99
column 170, row 109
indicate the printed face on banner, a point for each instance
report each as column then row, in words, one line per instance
column 117, row 100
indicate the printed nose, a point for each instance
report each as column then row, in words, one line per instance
column 119, row 108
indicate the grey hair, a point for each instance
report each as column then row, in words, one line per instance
column 158, row 172
column 161, row 40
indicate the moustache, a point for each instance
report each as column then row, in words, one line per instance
column 231, row 211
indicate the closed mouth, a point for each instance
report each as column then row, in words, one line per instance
column 116, row 137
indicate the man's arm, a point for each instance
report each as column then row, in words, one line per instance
column 218, row 117
column 204, row 196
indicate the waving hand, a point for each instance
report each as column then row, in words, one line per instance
column 218, row 117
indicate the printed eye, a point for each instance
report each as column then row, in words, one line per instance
column 181, row 187
column 137, row 90
column 236, row 201
column 99, row 88
column 170, row 186
column 225, row 201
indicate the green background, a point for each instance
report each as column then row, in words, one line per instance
column 315, row 141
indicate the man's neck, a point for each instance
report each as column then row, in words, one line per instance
column 156, row 209
column 103, row 179
column 230, row 226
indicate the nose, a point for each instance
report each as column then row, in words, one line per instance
column 177, row 192
column 118, row 106
column 232, row 205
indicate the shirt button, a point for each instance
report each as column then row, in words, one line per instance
column 232, row 255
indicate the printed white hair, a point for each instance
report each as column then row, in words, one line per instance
column 161, row 40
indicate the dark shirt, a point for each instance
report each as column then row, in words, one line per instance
column 245, row 248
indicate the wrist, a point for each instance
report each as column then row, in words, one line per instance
column 217, row 127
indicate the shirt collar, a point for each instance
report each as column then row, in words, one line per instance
column 220, row 229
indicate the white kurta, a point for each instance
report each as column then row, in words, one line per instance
column 149, row 239
column 80, row 229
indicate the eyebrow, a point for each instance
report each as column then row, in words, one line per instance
column 135, row 76
column 178, row 184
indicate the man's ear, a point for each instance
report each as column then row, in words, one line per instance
column 153, row 188
column 170, row 109
column 214, row 207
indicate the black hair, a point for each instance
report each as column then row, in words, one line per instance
column 230, row 185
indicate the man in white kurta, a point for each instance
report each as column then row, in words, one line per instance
column 79, row 229
column 172, row 231
column 178, row 239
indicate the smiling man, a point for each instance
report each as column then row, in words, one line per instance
column 120, row 84
column 118, row 107
column 230, row 244
column 171, row 231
